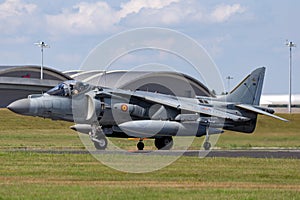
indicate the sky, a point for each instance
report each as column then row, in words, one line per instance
column 239, row 36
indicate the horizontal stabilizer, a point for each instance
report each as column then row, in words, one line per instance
column 259, row 111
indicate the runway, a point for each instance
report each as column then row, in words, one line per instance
column 265, row 153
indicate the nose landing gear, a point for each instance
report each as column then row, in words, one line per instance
column 98, row 138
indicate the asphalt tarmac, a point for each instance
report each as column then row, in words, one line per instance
column 265, row 153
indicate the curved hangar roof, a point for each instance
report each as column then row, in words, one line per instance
column 19, row 81
column 163, row 82
column 33, row 72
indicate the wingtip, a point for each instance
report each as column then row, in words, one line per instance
column 282, row 119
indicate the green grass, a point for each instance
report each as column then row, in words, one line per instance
column 18, row 131
column 269, row 133
column 69, row 176
column 25, row 175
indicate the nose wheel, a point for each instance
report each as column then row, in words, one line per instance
column 98, row 138
column 100, row 143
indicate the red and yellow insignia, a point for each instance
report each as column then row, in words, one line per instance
column 124, row 107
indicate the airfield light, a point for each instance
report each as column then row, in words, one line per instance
column 228, row 82
column 290, row 45
column 42, row 45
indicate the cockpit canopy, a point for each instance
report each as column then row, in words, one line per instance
column 68, row 88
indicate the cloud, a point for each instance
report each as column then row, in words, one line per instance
column 100, row 17
column 224, row 12
column 171, row 14
column 182, row 12
column 91, row 18
column 14, row 14
column 135, row 6
column 14, row 8
column 83, row 18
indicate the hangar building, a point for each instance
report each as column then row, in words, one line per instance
column 18, row 82
column 154, row 81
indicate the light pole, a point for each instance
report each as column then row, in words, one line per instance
column 290, row 45
column 228, row 82
column 42, row 45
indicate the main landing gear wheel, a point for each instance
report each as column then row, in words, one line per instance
column 164, row 143
column 140, row 145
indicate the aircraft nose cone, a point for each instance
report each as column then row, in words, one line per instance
column 20, row 106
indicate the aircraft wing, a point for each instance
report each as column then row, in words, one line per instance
column 180, row 103
column 259, row 111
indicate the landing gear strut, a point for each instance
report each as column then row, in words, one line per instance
column 164, row 143
column 98, row 138
column 207, row 144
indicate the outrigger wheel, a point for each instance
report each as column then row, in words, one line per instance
column 206, row 145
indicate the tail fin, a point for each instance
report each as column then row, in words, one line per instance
column 249, row 90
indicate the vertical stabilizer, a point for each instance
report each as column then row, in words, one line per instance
column 249, row 90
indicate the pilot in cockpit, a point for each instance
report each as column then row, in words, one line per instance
column 68, row 88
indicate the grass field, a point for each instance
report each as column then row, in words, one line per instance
column 31, row 132
column 69, row 176
column 25, row 175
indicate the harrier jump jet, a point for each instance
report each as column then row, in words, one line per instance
column 106, row 112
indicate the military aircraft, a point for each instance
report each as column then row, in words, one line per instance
column 106, row 112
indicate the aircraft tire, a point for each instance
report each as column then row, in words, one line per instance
column 164, row 143
column 102, row 144
column 206, row 145
column 140, row 146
